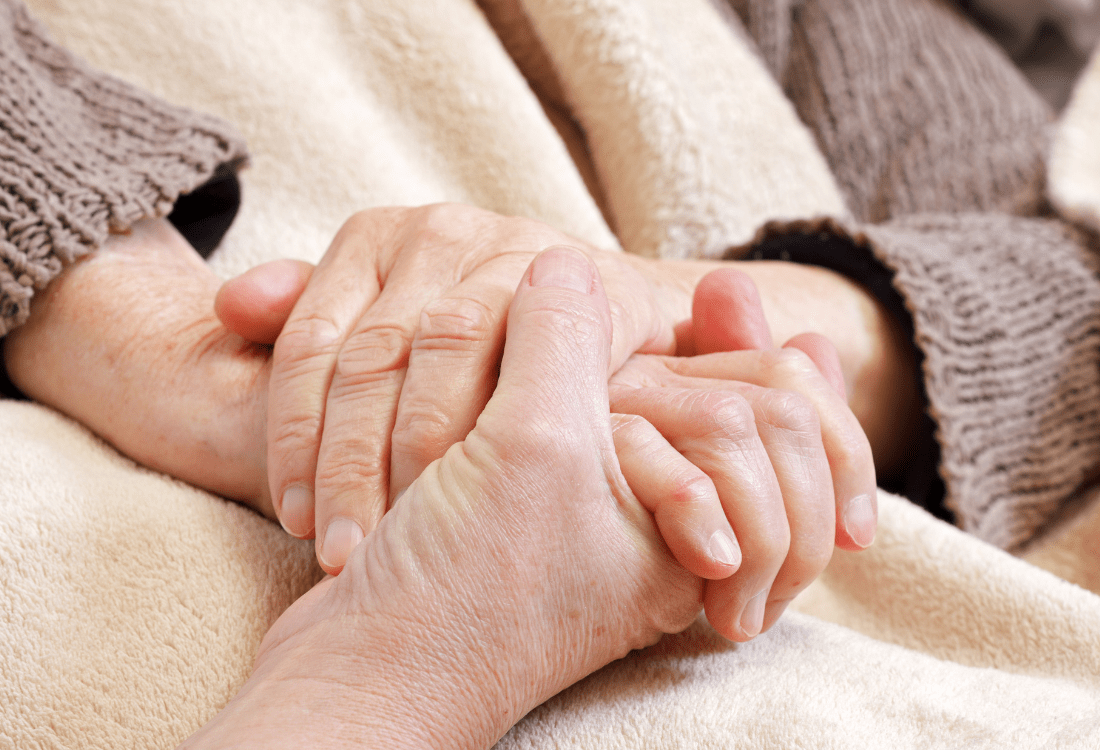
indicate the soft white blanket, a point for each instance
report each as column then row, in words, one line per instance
column 131, row 605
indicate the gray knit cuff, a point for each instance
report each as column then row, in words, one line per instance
column 83, row 155
column 1006, row 313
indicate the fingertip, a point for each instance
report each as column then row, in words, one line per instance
column 563, row 267
column 340, row 538
column 727, row 314
column 257, row 304
column 858, row 522
column 825, row 356
column 559, row 322
column 295, row 511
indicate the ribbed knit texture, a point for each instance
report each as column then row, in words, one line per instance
column 769, row 24
column 1007, row 315
column 915, row 109
column 81, row 155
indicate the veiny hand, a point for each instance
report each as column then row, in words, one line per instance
column 391, row 353
column 512, row 567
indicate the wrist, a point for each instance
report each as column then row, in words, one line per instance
column 125, row 341
column 362, row 678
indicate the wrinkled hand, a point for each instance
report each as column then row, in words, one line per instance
column 357, row 407
column 512, row 567
column 767, row 464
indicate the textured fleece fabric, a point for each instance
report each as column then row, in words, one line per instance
column 1074, row 177
column 83, row 154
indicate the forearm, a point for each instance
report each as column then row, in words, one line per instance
column 125, row 341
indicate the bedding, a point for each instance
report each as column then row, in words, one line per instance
column 132, row 604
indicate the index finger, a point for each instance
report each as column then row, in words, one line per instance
column 303, row 362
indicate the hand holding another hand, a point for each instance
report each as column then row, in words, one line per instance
column 512, row 567
column 765, row 462
column 357, row 404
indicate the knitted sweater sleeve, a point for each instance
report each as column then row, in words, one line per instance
column 82, row 155
column 1005, row 313
column 916, row 110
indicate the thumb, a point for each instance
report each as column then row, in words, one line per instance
column 727, row 314
column 256, row 304
column 557, row 345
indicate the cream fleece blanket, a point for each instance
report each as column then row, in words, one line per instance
column 1074, row 171
column 131, row 605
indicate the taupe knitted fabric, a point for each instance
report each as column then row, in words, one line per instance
column 915, row 109
column 1006, row 312
column 769, row 24
column 81, row 155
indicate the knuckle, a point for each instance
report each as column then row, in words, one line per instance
column 785, row 365
column 356, row 467
column 366, row 224
column 449, row 220
column 371, row 353
column 456, row 323
column 294, row 431
column 808, row 557
column 789, row 412
column 689, row 487
column 423, row 429
column 851, row 448
column 358, row 223
column 771, row 546
column 302, row 341
column 728, row 416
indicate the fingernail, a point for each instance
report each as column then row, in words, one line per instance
column 340, row 539
column 296, row 514
column 859, row 520
column 562, row 267
column 723, row 549
column 752, row 618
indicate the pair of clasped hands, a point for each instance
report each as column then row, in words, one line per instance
column 387, row 378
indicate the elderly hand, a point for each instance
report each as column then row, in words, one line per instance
column 766, row 464
column 126, row 342
column 513, row 566
column 451, row 360
column 357, row 405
